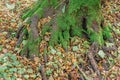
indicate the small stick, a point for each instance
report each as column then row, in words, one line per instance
column 113, row 48
column 20, row 39
column 83, row 74
column 45, row 57
column 92, row 60
column 42, row 71
column 19, row 31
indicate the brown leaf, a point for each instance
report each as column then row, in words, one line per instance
column 4, row 50
column 36, row 59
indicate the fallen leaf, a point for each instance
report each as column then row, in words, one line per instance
column 101, row 53
column 10, row 6
column 4, row 50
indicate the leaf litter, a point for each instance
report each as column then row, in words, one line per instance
column 60, row 65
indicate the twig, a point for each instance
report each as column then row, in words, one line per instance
column 83, row 74
column 113, row 48
column 45, row 54
column 45, row 58
column 19, row 31
column 42, row 71
column 20, row 39
column 92, row 60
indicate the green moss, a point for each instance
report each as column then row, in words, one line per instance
column 69, row 23
column 54, row 3
column 37, row 8
column 96, row 37
column 107, row 32
column 54, row 38
column 46, row 29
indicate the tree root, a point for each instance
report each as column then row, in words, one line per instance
column 33, row 27
column 32, row 45
column 33, row 37
column 92, row 60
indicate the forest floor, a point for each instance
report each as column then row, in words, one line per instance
column 60, row 65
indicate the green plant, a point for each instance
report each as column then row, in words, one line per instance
column 9, row 65
column 49, row 72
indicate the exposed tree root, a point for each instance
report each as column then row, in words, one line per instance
column 33, row 27
column 92, row 60
column 33, row 44
column 64, row 27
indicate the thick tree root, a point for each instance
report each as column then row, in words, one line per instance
column 33, row 44
column 33, row 27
